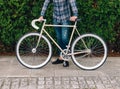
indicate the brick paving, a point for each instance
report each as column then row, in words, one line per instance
column 81, row 82
column 14, row 76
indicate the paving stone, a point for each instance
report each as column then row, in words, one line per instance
column 74, row 82
column 65, row 78
column 41, row 82
column 41, row 78
column 98, row 83
column 90, row 83
column 58, row 87
column 82, row 83
column 106, row 82
column 67, row 86
column 114, row 82
column 41, row 87
column 118, row 79
column 73, row 78
column 24, row 83
column 65, row 82
column 15, row 83
column 1, row 82
column 75, row 86
column 57, row 82
column 49, row 82
column 6, row 84
column 32, row 83
column 49, row 87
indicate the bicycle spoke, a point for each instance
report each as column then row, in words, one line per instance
column 29, row 55
column 92, row 57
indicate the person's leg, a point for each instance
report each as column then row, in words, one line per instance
column 58, row 32
column 65, row 39
column 58, row 35
column 65, row 34
column 62, row 35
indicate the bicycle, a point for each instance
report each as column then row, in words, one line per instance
column 34, row 50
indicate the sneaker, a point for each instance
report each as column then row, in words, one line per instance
column 58, row 61
column 65, row 64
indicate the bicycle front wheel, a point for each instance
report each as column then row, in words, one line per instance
column 29, row 54
column 89, row 52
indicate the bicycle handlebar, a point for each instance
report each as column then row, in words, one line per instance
column 34, row 21
column 37, row 20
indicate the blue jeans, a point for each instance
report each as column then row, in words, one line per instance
column 62, row 34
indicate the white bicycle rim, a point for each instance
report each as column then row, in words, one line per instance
column 102, row 60
column 35, row 66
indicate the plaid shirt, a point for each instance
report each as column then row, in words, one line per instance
column 62, row 10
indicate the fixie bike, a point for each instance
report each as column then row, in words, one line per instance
column 87, row 51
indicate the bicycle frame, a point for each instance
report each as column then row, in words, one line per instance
column 70, row 40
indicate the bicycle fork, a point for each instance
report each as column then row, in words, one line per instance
column 40, row 35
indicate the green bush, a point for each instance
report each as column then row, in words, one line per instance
column 97, row 16
column 15, row 19
column 100, row 18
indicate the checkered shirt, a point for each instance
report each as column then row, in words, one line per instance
column 62, row 9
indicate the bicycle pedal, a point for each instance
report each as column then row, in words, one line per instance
column 65, row 64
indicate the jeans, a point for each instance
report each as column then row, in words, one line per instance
column 62, row 34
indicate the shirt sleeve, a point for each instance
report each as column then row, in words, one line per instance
column 44, row 8
column 74, row 7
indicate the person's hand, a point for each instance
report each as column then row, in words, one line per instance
column 40, row 18
column 73, row 18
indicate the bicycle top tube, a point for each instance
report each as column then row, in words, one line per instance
column 50, row 25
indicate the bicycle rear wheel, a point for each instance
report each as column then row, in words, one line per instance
column 30, row 56
column 89, row 52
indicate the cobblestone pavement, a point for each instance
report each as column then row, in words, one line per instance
column 15, row 76
column 81, row 82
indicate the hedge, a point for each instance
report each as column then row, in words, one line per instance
column 97, row 16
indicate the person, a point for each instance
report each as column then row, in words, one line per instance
column 64, row 11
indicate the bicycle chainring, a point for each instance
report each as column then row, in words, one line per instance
column 65, row 57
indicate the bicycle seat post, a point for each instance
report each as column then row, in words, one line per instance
column 75, row 24
column 76, row 21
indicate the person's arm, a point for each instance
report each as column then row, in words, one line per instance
column 44, row 8
column 74, row 7
column 74, row 10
